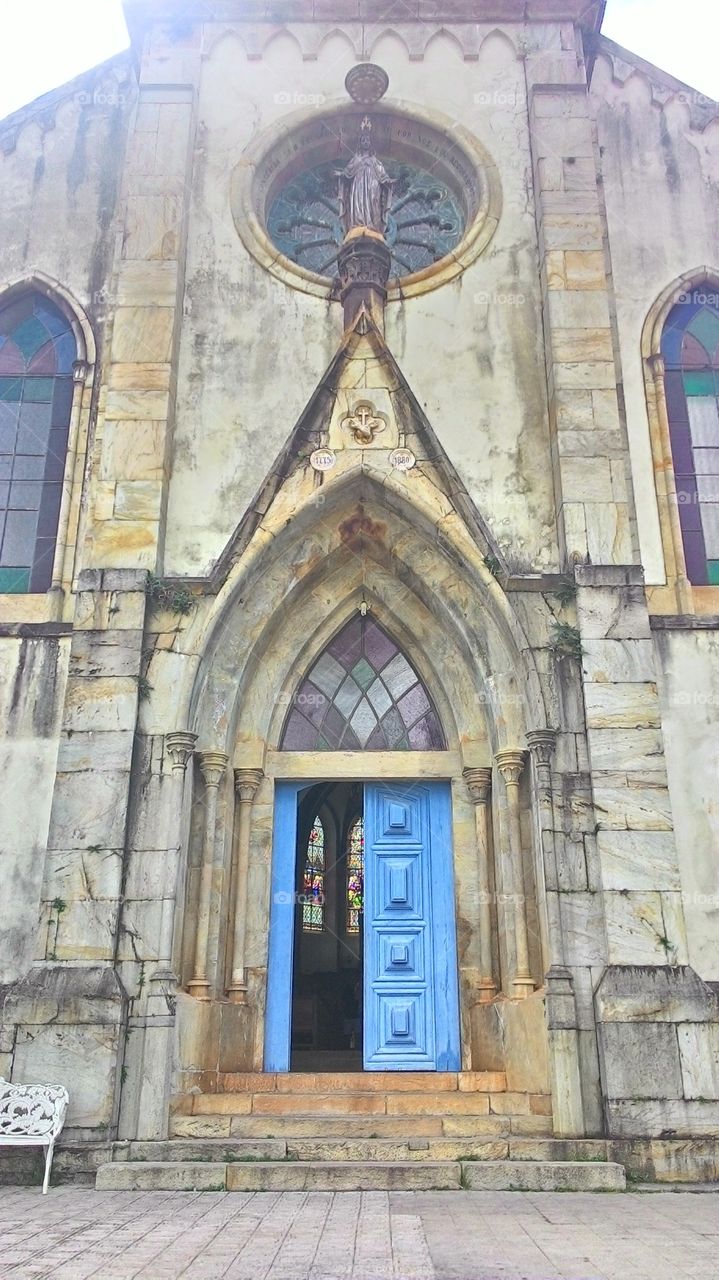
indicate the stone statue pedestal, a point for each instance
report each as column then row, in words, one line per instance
column 364, row 265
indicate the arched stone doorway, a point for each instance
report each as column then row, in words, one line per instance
column 453, row 627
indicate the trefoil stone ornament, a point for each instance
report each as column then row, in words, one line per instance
column 364, row 422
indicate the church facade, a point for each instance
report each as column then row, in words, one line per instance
column 359, row 574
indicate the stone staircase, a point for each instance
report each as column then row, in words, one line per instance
column 360, row 1131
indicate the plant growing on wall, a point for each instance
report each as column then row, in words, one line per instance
column 566, row 640
column 173, row 599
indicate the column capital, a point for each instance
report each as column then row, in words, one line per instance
column 656, row 364
column 510, row 764
column 246, row 783
column 479, row 784
column 213, row 765
column 180, row 746
column 541, row 743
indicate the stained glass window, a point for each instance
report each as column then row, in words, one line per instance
column 355, row 875
column 362, row 695
column 690, row 347
column 37, row 350
column 313, row 881
column 425, row 219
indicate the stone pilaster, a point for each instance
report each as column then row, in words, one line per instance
column 588, row 439
column 637, row 856
column 137, row 404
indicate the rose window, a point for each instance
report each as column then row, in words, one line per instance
column 425, row 220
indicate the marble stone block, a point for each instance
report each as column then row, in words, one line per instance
column 640, row 1060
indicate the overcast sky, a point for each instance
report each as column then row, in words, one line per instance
column 46, row 42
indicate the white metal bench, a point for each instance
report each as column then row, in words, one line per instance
column 32, row 1115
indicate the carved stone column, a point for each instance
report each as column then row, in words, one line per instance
column 364, row 265
column 479, row 785
column 510, row 764
column 542, row 743
column 179, row 746
column 212, row 765
column 246, row 783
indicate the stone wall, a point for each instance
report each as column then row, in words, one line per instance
column 60, row 167
column 33, row 672
column 659, row 150
column 688, row 673
column 234, row 414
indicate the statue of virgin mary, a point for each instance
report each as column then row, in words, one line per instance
column 365, row 188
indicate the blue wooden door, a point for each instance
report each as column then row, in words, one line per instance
column 278, row 1012
column 411, row 1007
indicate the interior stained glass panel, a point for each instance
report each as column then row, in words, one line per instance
column 362, row 694
column 37, row 350
column 355, row 876
column 313, row 881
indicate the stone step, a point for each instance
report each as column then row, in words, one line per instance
column 427, row 1102
column 542, row 1175
column 362, row 1175
column 301, row 1125
column 360, row 1082
column 358, row 1148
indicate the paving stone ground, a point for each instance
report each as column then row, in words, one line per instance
column 76, row 1233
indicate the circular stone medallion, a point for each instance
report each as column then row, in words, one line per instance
column 366, row 83
column 402, row 459
column 322, row 459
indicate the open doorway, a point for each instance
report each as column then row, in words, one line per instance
column 327, row 983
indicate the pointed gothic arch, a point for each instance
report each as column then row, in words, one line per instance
column 267, row 625
column 47, row 350
column 669, row 367
column 362, row 693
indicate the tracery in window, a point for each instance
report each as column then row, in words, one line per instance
column 362, row 694
column 37, row 350
column 313, row 881
column 690, row 347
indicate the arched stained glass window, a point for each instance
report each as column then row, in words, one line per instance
column 355, row 876
column 690, row 347
column 313, row 881
column 37, row 350
column 362, row 694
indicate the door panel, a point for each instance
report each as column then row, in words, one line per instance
column 411, row 1011
column 278, row 1014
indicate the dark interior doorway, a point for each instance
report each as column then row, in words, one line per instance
column 328, row 952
